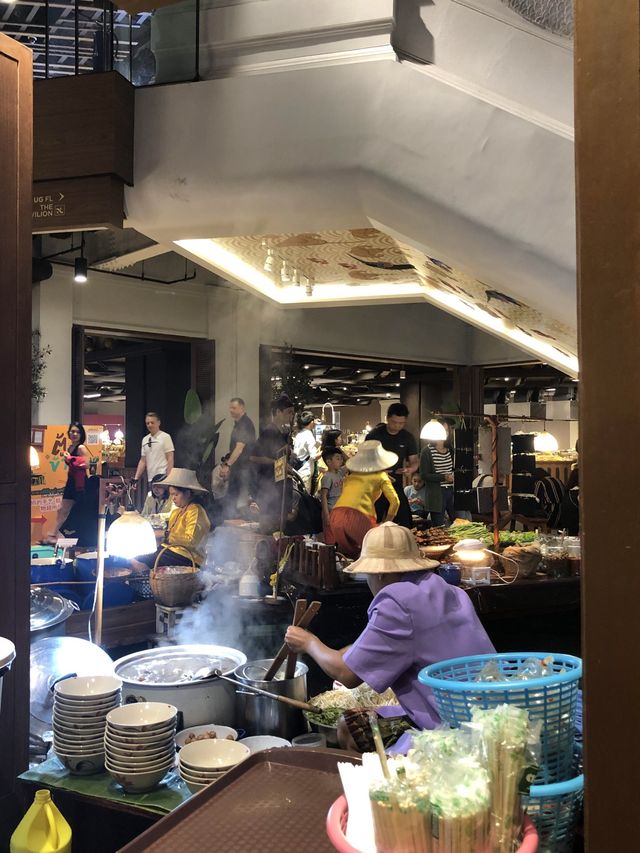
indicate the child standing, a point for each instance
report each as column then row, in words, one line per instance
column 416, row 496
column 331, row 487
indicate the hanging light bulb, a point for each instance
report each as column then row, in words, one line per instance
column 270, row 261
column 34, row 459
column 545, row 442
column 309, row 287
column 80, row 270
column 285, row 278
column 130, row 535
column 105, row 437
column 119, row 434
column 433, row 430
column 295, row 276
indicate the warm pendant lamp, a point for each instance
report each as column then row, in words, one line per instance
column 34, row 459
column 130, row 535
column 433, row 430
column 545, row 442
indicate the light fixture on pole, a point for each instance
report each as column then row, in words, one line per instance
column 433, row 430
column 545, row 442
column 128, row 537
column 80, row 266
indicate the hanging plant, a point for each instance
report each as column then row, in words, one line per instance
column 290, row 378
column 39, row 356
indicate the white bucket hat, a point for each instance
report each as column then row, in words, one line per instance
column 183, row 478
column 388, row 549
column 371, row 458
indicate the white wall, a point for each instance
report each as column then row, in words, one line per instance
column 239, row 323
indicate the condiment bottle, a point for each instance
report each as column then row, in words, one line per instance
column 43, row 829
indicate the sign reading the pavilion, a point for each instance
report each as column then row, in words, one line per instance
column 77, row 204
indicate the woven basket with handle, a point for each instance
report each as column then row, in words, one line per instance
column 174, row 586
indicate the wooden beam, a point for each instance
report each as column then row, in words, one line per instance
column 16, row 127
column 607, row 45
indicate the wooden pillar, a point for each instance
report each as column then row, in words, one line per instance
column 15, row 412
column 468, row 388
column 607, row 46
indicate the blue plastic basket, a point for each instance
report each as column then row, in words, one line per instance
column 552, row 699
column 555, row 810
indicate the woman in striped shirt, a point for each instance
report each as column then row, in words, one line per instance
column 436, row 470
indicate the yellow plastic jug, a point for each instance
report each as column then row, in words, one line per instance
column 43, row 829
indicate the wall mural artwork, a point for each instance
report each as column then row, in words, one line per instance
column 363, row 255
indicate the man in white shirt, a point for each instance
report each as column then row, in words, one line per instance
column 156, row 456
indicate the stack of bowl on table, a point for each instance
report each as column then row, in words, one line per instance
column 204, row 761
column 80, row 709
column 140, row 746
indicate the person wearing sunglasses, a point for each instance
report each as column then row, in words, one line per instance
column 157, row 451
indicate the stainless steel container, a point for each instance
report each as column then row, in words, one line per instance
column 49, row 612
column 262, row 716
column 164, row 675
column 7, row 656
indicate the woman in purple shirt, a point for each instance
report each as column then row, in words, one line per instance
column 415, row 619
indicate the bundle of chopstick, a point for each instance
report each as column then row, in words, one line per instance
column 456, row 791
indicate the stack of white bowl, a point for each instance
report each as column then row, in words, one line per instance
column 140, row 744
column 206, row 761
column 80, row 708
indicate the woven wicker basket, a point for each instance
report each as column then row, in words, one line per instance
column 175, row 586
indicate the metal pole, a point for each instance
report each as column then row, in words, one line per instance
column 197, row 45
column 77, row 36
column 111, row 38
column 46, row 40
column 493, row 422
column 102, row 528
column 130, row 48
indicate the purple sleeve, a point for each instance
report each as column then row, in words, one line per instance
column 384, row 649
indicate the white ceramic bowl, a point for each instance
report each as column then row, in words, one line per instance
column 142, row 716
column 96, row 725
column 85, row 711
column 139, row 783
column 202, row 777
column 123, row 766
column 212, row 754
column 222, row 733
column 85, row 703
column 193, row 787
column 89, row 687
column 83, row 764
column 132, row 748
column 82, row 748
column 258, row 743
column 138, row 757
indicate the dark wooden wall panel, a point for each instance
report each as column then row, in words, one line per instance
column 15, row 359
column 607, row 45
column 83, row 126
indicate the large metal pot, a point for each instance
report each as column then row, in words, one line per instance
column 7, row 656
column 262, row 716
column 164, row 675
column 49, row 612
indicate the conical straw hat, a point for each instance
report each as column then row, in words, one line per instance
column 372, row 457
column 388, row 549
column 183, row 478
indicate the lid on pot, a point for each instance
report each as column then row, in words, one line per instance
column 255, row 670
column 175, row 665
column 54, row 657
column 48, row 608
column 7, row 652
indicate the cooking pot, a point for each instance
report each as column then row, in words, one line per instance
column 166, row 675
column 49, row 612
column 262, row 716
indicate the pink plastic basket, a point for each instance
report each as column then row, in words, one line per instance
column 339, row 814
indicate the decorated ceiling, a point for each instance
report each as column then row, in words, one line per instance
column 362, row 256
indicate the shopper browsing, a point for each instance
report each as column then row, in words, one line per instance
column 156, row 456
column 355, row 511
column 416, row 496
column 436, row 469
column 331, row 487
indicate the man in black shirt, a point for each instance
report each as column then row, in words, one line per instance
column 243, row 437
column 393, row 436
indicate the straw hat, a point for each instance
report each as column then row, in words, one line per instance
column 371, row 458
column 183, row 478
column 388, row 549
